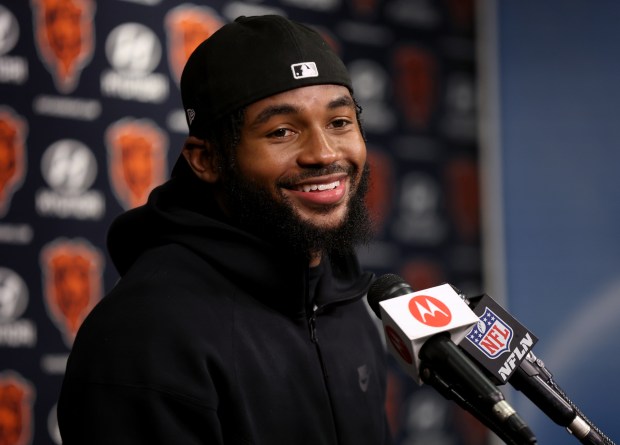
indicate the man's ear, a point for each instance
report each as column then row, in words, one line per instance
column 201, row 158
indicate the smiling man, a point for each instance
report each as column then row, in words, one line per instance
column 298, row 176
column 239, row 315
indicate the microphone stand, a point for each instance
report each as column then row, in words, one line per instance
column 431, row 378
column 450, row 392
column 536, row 382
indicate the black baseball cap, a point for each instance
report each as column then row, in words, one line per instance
column 250, row 59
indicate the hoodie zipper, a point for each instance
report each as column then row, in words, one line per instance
column 315, row 340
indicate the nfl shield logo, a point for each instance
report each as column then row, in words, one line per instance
column 491, row 334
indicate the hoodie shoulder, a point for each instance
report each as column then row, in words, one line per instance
column 171, row 208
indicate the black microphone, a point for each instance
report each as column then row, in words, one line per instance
column 502, row 347
column 419, row 327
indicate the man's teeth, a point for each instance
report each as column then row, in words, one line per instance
column 320, row 187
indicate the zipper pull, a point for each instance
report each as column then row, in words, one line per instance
column 312, row 325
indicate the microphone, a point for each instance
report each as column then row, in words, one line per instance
column 498, row 333
column 419, row 327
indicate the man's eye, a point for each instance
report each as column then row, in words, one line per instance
column 340, row 123
column 280, row 133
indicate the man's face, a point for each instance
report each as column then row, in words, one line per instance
column 298, row 168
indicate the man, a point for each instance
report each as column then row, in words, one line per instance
column 239, row 316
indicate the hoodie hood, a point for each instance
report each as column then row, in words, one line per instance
column 182, row 211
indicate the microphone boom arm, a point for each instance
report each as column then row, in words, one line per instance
column 459, row 372
column 534, row 380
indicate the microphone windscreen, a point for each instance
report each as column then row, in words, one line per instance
column 385, row 287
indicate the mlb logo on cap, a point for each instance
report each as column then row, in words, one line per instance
column 304, row 70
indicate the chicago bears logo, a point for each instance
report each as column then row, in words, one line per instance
column 365, row 7
column 16, row 407
column 12, row 155
column 415, row 74
column 137, row 159
column 425, row 273
column 65, row 38
column 463, row 197
column 72, row 283
column 329, row 38
column 379, row 197
column 462, row 13
column 187, row 26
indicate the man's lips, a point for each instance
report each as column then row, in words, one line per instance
column 318, row 187
column 321, row 191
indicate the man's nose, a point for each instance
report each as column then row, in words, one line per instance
column 319, row 148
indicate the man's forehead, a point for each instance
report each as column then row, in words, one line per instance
column 299, row 100
column 311, row 90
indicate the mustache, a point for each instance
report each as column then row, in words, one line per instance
column 309, row 172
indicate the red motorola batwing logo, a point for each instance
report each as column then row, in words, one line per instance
column 399, row 344
column 430, row 311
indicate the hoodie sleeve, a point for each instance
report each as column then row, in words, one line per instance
column 140, row 370
column 98, row 414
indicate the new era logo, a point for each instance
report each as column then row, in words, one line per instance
column 304, row 70
column 191, row 114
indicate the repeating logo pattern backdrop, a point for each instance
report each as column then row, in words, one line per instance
column 91, row 121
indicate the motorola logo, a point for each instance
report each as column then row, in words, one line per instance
column 430, row 311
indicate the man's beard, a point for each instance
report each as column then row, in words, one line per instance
column 255, row 210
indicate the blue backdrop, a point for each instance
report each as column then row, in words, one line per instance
column 559, row 68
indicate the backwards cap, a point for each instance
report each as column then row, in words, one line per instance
column 250, row 59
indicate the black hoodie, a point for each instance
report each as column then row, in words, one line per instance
column 208, row 338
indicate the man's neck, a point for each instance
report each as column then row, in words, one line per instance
column 315, row 259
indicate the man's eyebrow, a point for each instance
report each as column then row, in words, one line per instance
column 342, row 101
column 274, row 110
column 284, row 109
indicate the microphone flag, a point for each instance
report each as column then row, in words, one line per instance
column 410, row 319
column 497, row 341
